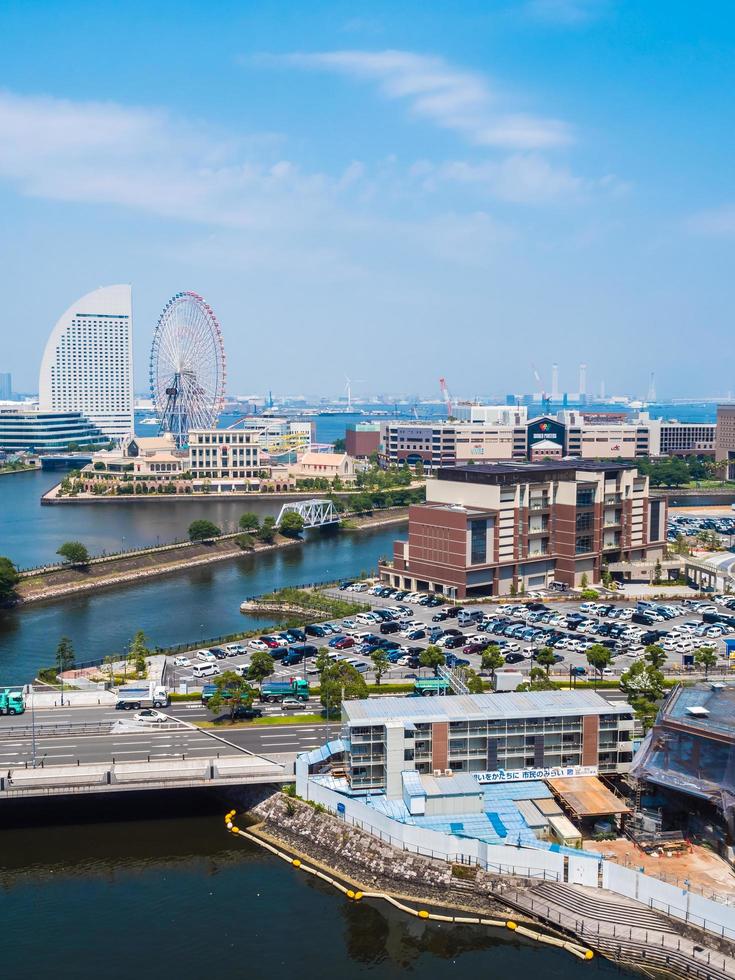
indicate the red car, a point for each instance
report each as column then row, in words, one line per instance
column 345, row 643
column 270, row 641
column 474, row 648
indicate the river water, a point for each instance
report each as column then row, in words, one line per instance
column 156, row 887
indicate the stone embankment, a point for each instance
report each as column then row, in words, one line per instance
column 58, row 581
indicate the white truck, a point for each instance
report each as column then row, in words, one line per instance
column 507, row 680
column 136, row 696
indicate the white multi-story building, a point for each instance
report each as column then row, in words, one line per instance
column 87, row 365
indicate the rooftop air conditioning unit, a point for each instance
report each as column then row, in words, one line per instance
column 437, row 772
column 448, row 772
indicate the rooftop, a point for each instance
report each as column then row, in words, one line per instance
column 494, row 473
column 706, row 707
column 468, row 707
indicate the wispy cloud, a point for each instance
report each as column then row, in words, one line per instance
column 716, row 222
column 450, row 97
column 566, row 12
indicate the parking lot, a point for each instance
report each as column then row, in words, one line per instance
column 404, row 626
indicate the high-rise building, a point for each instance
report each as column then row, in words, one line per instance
column 87, row 365
column 6, row 387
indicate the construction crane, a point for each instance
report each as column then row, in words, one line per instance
column 545, row 399
column 446, row 396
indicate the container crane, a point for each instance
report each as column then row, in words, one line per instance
column 446, row 396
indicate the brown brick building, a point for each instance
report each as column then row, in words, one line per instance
column 725, row 438
column 491, row 529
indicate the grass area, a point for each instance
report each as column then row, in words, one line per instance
column 313, row 600
column 307, row 719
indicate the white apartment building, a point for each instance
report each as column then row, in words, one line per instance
column 225, row 454
column 87, row 364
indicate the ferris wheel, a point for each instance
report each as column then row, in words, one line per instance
column 187, row 367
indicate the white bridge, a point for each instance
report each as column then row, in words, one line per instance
column 315, row 513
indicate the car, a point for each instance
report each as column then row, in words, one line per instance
column 292, row 704
column 440, row 616
column 343, row 586
column 315, row 629
column 452, row 642
column 453, row 661
column 150, row 715
column 257, row 645
column 182, row 662
column 278, row 653
column 270, row 641
column 389, row 627
column 206, row 656
column 219, row 653
column 235, row 649
column 342, row 643
column 474, row 647
column 419, row 634
column 296, row 635
column 365, row 619
column 248, row 712
column 332, row 642
column 514, row 658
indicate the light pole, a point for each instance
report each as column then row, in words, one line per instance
column 33, row 726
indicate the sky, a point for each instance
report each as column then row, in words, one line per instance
column 392, row 192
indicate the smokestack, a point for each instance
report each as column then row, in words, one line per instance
column 652, row 388
column 582, row 381
column 555, row 381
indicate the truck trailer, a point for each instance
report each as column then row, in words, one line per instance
column 273, row 691
column 136, row 696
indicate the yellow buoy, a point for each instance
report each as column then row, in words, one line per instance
column 235, row 830
column 588, row 954
column 350, row 893
column 511, row 925
column 296, row 863
column 358, row 896
column 423, row 914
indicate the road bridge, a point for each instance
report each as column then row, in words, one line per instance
column 315, row 513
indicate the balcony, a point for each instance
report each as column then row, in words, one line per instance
column 612, row 498
column 539, row 504
column 538, row 529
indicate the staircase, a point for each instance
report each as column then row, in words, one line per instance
column 583, row 906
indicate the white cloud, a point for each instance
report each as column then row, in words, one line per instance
column 450, row 97
column 715, row 223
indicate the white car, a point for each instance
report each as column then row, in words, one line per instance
column 206, row 656
column 235, row 648
column 182, row 662
column 365, row 619
column 257, row 645
column 151, row 716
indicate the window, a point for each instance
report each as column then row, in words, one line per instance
column 478, row 542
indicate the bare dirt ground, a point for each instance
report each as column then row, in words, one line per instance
column 705, row 871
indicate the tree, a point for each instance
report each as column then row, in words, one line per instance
column 545, row 657
column 292, row 524
column 9, row 578
column 599, row 657
column 340, row 682
column 584, row 581
column 249, row 521
column 705, row 657
column 231, row 691
column 340, row 445
column 655, row 655
column 74, row 553
column 492, row 659
column 657, row 572
column 473, row 681
column 202, row 530
column 246, row 542
column 323, row 661
column 261, row 665
column 99, row 465
column 432, row 657
column 538, row 680
column 380, row 663
column 267, row 532
column 643, row 685
column 64, row 658
column 139, row 651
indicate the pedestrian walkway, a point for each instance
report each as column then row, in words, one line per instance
column 621, row 929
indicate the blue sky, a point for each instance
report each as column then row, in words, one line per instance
column 394, row 191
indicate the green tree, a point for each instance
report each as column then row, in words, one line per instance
column 249, row 521
column 545, row 658
column 643, row 680
column 246, row 542
column 231, row 691
column 267, row 532
column 203, row 530
column 64, row 658
column 657, row 573
column 706, row 658
column 139, row 652
column 380, row 663
column 538, row 680
column 74, row 553
column 492, row 659
column 340, row 446
column 432, row 657
column 341, row 682
column 292, row 524
column 599, row 657
column 655, row 655
column 473, row 681
column 584, row 581
column 323, row 661
column 261, row 666
column 9, row 578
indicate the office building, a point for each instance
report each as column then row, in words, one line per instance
column 493, row 737
column 499, row 528
column 725, row 439
column 29, row 431
column 87, row 364
column 362, row 439
column 6, row 386
column 225, row 454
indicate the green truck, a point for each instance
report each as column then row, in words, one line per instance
column 426, row 687
column 12, row 701
column 273, row 691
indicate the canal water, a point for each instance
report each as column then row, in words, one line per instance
column 165, row 891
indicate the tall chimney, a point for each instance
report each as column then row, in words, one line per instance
column 582, row 381
column 555, row 382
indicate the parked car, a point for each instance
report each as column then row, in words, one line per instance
column 270, row 641
column 219, row 653
column 150, row 715
column 342, row 643
column 257, row 645
column 182, row 662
